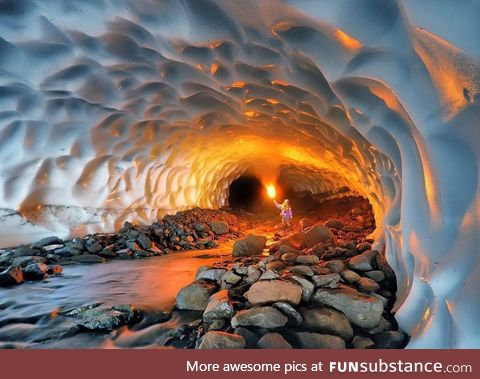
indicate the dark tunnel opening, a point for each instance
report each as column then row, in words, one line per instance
column 245, row 193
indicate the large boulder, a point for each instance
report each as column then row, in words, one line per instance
column 249, row 245
column 262, row 317
column 360, row 309
column 219, row 306
column 271, row 291
column 364, row 262
column 35, row 271
column 195, row 296
column 219, row 227
column 221, row 340
column 308, row 340
column 315, row 234
column 12, row 275
column 328, row 321
column 97, row 317
column 295, row 241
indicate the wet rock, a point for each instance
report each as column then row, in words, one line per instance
column 221, row 340
column 95, row 247
column 334, row 223
column 35, row 271
column 367, row 284
column 141, row 254
column 104, row 318
column 55, row 270
column 53, row 247
column 195, row 296
column 25, row 251
column 17, row 331
column 219, row 306
column 376, row 275
column 335, row 266
column 273, row 341
column 124, row 253
column 307, row 287
column 88, row 258
column 350, row 276
column 108, row 252
column 262, row 317
column 294, row 318
column 219, row 227
column 45, row 242
column 210, row 273
column 302, row 270
column 360, row 309
column 364, row 261
column 383, row 326
column 250, row 337
column 248, row 246
column 144, row 242
column 315, row 234
column 391, row 339
column 308, row 259
column 308, row 340
column 305, row 223
column 25, row 261
column 271, row 291
column 6, row 258
column 328, row 321
column 57, row 328
column 328, row 280
column 362, row 342
column 12, row 275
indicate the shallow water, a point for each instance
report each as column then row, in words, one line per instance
column 153, row 282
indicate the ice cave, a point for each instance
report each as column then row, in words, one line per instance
column 130, row 110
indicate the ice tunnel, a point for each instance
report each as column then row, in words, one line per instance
column 127, row 110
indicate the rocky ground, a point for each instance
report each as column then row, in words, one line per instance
column 318, row 285
column 194, row 229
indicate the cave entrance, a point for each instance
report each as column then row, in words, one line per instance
column 245, row 193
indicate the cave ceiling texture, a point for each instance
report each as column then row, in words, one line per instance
column 130, row 109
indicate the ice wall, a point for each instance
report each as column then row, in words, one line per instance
column 115, row 110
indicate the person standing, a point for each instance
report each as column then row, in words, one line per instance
column 285, row 212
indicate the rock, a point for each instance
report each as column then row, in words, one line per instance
column 315, row 234
column 144, row 242
column 295, row 241
column 64, row 251
column 25, row 251
column 12, row 275
column 364, row 261
column 231, row 278
column 262, row 317
column 269, row 275
column 219, row 306
column 285, row 249
column 271, row 291
column 253, row 277
column 132, row 245
column 308, row 259
column 219, row 227
column 25, row 261
column 308, row 340
column 320, row 270
column 250, row 338
column 53, row 247
column 363, row 246
column 221, row 340
column 124, row 254
column 333, row 223
column 55, row 270
column 328, row 280
column 350, row 276
column 273, row 341
column 307, row 288
column 376, row 275
column 275, row 265
column 335, row 266
column 94, row 247
column 383, row 326
column 302, row 270
column 45, row 242
column 289, row 257
column 104, row 318
column 195, row 296
column 108, row 252
column 305, row 223
column 88, row 258
column 392, row 339
column 209, row 273
column 362, row 342
column 294, row 318
column 214, row 324
column 328, row 321
column 248, row 246
column 367, row 284
column 360, row 309
column 141, row 254
column 35, row 271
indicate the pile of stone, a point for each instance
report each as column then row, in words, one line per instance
column 313, row 290
column 186, row 230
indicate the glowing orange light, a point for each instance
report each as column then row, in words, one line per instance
column 347, row 41
column 271, row 191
